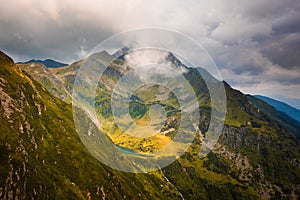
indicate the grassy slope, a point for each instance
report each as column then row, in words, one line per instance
column 250, row 135
column 42, row 156
column 44, row 76
column 263, row 135
column 188, row 174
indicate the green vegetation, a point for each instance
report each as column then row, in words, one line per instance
column 42, row 156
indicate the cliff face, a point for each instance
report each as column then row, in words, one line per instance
column 270, row 164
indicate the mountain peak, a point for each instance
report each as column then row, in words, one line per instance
column 49, row 63
column 172, row 58
column 153, row 55
column 120, row 54
column 104, row 56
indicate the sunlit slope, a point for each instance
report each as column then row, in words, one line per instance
column 257, row 154
column 42, row 156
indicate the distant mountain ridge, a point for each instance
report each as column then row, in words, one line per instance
column 282, row 107
column 49, row 63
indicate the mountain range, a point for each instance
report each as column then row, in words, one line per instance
column 49, row 63
column 282, row 107
column 257, row 155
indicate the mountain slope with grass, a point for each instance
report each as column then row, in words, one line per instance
column 44, row 76
column 42, row 156
column 256, row 157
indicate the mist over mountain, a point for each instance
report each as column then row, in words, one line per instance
column 257, row 155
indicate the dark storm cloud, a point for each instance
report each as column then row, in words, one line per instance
column 282, row 47
column 284, row 50
column 50, row 39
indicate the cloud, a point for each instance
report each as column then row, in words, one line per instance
column 254, row 43
column 145, row 57
column 283, row 50
column 243, row 30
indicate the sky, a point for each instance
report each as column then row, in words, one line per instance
column 255, row 44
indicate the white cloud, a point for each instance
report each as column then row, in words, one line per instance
column 145, row 57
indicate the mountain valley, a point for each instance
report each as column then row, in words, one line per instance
column 42, row 157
